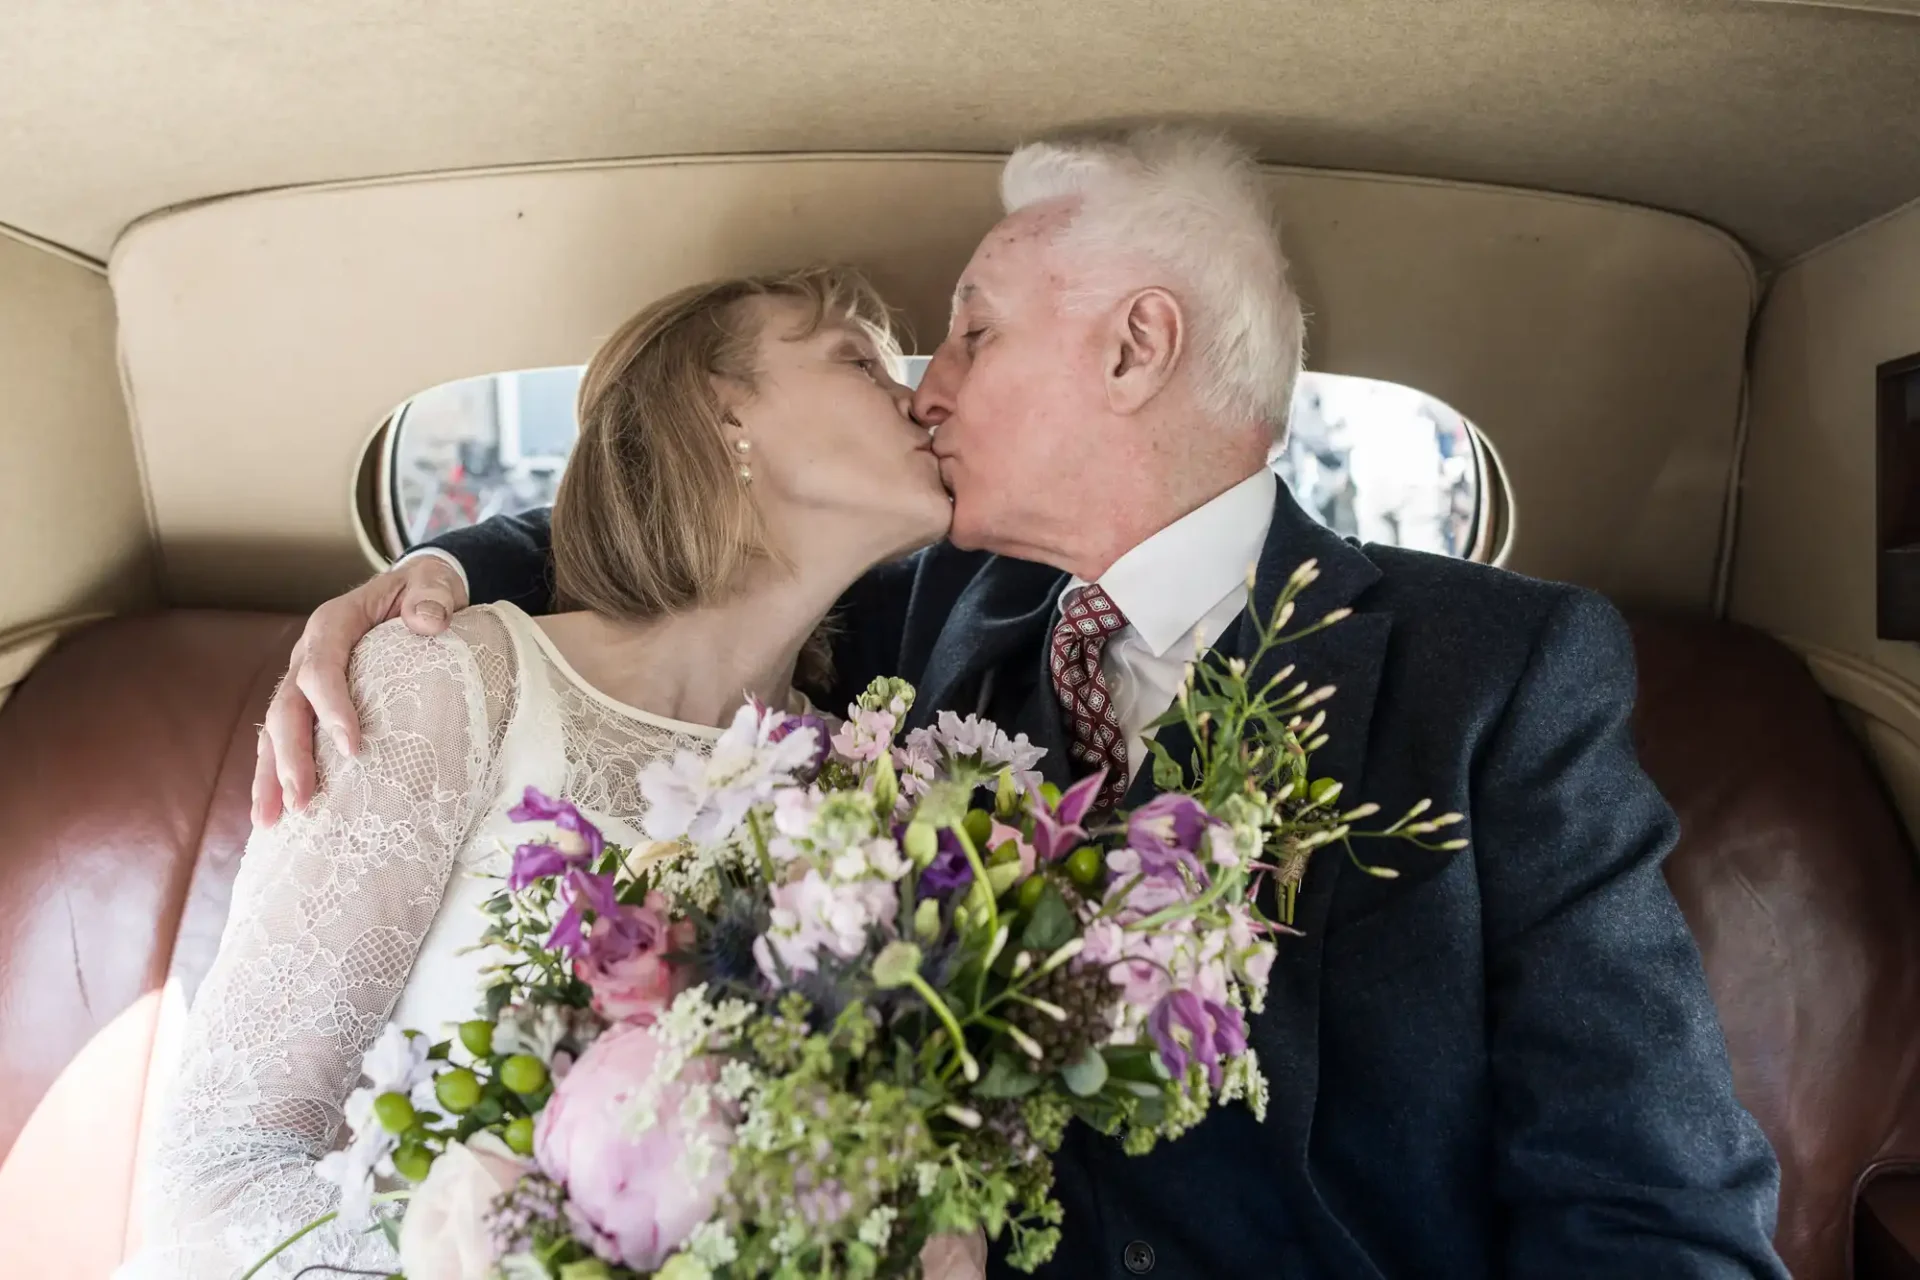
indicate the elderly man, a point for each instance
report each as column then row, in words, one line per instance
column 1504, row 1061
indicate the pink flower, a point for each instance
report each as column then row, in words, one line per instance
column 629, row 1185
column 867, row 735
column 625, row 962
column 1001, row 834
column 815, row 914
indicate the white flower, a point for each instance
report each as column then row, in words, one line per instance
column 444, row 1234
column 884, row 856
column 736, row 1080
column 877, row 1227
column 926, row 1177
column 962, row 736
column 352, row 1167
column 397, row 1061
column 536, row 1030
column 704, row 798
column 712, row 1244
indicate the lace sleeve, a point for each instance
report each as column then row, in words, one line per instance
column 328, row 914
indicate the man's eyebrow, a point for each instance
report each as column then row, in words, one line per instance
column 962, row 296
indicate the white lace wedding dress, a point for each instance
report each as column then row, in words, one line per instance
column 360, row 910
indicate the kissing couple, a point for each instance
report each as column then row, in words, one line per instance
column 1503, row 1061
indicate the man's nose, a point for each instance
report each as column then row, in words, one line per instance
column 933, row 399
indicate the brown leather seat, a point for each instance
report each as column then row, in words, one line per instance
column 125, row 760
column 1804, row 895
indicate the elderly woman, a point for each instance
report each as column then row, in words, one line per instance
column 745, row 454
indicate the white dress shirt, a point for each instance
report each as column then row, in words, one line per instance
column 1188, row 580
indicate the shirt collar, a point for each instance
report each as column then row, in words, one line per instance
column 1167, row 584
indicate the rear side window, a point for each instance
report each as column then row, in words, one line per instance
column 1369, row 459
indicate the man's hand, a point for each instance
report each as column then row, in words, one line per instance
column 424, row 592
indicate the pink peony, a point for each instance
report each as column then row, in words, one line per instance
column 625, row 962
column 628, row 1193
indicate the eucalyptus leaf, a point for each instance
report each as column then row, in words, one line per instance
column 1135, row 1062
column 1051, row 926
column 1005, row 1079
column 1085, row 1075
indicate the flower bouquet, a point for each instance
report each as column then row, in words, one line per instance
column 852, row 995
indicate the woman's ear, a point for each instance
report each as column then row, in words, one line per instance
column 1149, row 336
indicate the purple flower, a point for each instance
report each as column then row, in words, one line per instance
column 1057, row 830
column 949, row 870
column 1167, row 833
column 539, row 859
column 583, row 890
column 537, row 806
column 1188, row 1029
column 822, row 743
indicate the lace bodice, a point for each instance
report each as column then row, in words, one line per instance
column 359, row 910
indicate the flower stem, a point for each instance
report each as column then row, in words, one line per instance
column 315, row 1225
column 760, row 846
column 968, row 1066
column 993, row 907
column 286, row 1244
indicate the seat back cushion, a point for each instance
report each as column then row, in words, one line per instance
column 1802, row 889
column 126, row 758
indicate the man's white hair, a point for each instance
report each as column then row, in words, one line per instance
column 1188, row 205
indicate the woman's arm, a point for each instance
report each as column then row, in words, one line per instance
column 328, row 913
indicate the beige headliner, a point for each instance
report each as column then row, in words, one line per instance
column 1784, row 123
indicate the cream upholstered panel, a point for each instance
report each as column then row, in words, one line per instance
column 1804, row 556
column 73, row 522
column 1600, row 346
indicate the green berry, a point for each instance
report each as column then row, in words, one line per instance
column 394, row 1112
column 1051, row 794
column 412, row 1161
column 1320, row 789
column 458, row 1090
column 1084, row 866
column 978, row 826
column 523, row 1073
column 477, row 1036
column 1030, row 890
column 519, row 1135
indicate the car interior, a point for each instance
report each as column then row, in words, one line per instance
column 1652, row 267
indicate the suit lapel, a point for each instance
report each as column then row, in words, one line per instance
column 999, row 621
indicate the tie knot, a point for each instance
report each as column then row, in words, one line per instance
column 1092, row 613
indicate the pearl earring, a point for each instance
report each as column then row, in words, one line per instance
column 742, row 447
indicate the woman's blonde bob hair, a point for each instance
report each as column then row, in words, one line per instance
column 652, row 516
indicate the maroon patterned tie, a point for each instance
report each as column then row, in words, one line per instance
column 1087, row 618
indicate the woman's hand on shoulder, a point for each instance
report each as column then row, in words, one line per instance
column 424, row 591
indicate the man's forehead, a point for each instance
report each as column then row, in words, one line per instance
column 1009, row 255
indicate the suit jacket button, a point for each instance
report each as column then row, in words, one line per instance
column 1138, row 1257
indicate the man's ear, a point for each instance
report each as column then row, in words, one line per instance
column 1148, row 339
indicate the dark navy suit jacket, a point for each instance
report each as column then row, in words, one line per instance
column 1504, row 1062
